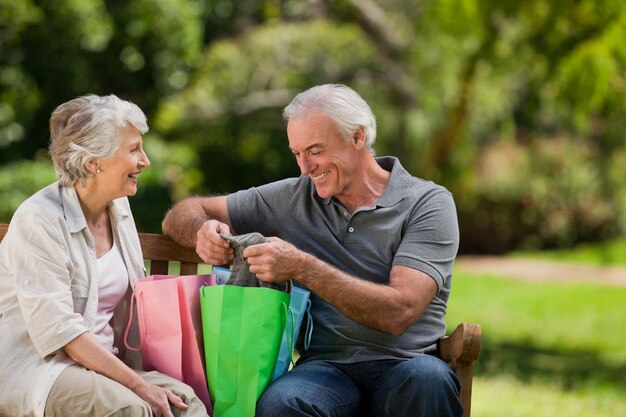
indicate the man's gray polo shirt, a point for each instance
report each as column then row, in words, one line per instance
column 413, row 224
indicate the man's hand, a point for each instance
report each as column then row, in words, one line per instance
column 210, row 246
column 273, row 261
column 159, row 399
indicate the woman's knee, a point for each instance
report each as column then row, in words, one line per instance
column 137, row 408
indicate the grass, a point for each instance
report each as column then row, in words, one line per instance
column 609, row 253
column 548, row 349
column 174, row 268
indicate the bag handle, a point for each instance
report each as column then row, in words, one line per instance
column 130, row 321
column 309, row 326
column 290, row 335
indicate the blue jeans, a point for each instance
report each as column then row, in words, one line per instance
column 421, row 387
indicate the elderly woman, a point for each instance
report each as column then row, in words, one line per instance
column 67, row 266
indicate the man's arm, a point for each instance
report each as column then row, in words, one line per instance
column 389, row 308
column 197, row 222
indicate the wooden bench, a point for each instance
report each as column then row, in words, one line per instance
column 460, row 349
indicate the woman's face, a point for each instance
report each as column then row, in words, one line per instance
column 118, row 174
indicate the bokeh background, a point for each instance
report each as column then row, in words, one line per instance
column 516, row 106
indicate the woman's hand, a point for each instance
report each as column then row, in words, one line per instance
column 86, row 351
column 159, row 399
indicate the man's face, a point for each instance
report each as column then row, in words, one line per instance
column 323, row 154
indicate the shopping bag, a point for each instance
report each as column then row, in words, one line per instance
column 170, row 328
column 222, row 275
column 298, row 305
column 242, row 329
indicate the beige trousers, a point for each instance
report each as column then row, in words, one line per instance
column 82, row 392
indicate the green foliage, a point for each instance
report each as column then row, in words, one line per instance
column 457, row 87
column 174, row 174
column 549, row 193
column 264, row 69
column 21, row 179
column 19, row 96
column 608, row 253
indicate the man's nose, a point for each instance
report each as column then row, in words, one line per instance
column 305, row 165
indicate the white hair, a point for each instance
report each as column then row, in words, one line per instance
column 344, row 105
column 89, row 128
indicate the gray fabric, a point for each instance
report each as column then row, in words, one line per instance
column 413, row 224
column 241, row 275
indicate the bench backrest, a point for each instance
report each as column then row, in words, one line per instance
column 160, row 250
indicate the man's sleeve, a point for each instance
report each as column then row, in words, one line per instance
column 431, row 240
column 259, row 208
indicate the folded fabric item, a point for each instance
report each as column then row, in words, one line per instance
column 241, row 275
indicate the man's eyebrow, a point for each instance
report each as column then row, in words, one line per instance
column 315, row 145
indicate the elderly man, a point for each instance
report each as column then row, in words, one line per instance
column 374, row 245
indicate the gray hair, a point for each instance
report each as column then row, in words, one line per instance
column 344, row 105
column 89, row 128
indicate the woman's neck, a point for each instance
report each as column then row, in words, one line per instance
column 96, row 212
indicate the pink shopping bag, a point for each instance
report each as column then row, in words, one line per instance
column 170, row 327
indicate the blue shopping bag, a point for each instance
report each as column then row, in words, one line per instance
column 299, row 304
column 222, row 275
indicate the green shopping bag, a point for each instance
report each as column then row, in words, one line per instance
column 242, row 328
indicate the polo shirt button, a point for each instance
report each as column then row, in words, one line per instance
column 345, row 213
column 351, row 229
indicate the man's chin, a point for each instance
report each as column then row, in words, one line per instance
column 322, row 193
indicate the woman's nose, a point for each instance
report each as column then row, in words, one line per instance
column 145, row 160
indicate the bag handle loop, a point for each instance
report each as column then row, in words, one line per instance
column 290, row 334
column 309, row 326
column 130, row 321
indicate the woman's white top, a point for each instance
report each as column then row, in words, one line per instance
column 112, row 285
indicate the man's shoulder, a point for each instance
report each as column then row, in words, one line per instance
column 286, row 185
column 281, row 192
column 403, row 184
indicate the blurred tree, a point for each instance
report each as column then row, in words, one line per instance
column 532, row 88
column 54, row 50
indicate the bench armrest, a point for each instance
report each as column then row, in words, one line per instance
column 463, row 344
column 460, row 350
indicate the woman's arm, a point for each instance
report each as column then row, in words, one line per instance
column 86, row 351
